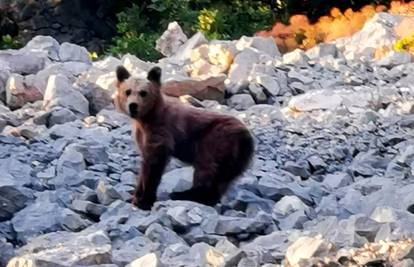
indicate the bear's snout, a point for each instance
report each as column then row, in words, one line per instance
column 133, row 109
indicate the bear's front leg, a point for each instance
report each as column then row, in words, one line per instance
column 152, row 168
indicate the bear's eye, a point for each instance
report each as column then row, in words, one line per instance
column 128, row 92
column 143, row 93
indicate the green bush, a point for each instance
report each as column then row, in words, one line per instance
column 141, row 24
column 7, row 42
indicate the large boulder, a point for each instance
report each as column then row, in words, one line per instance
column 265, row 45
column 243, row 64
column 377, row 33
column 209, row 60
column 19, row 92
column 183, row 53
column 44, row 44
column 23, row 62
column 97, row 97
column 211, row 88
column 44, row 216
column 171, row 40
column 72, row 52
column 60, row 92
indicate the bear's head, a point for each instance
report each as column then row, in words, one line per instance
column 137, row 97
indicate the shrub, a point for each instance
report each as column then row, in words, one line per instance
column 7, row 42
column 141, row 24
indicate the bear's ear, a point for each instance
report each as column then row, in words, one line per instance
column 122, row 74
column 154, row 75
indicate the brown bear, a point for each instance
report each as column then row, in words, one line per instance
column 219, row 147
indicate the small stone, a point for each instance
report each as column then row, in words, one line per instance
column 163, row 235
column 86, row 207
column 106, row 193
column 241, row 102
column 60, row 116
column 336, row 180
column 296, row 168
column 149, row 260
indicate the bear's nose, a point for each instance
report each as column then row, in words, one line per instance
column 133, row 109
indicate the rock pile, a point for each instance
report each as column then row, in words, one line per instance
column 332, row 169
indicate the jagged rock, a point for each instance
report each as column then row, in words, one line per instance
column 12, row 198
column 22, row 62
column 258, row 93
column 149, row 260
column 45, row 217
column 336, row 180
column 177, row 180
column 135, row 65
column 72, row 52
column 46, row 44
column 384, row 215
column 132, row 249
column 59, row 115
column 60, row 92
column 97, row 97
column 18, row 93
column 171, row 40
column 234, row 225
column 107, row 193
column 211, row 88
column 70, row 164
column 209, row 60
column 92, row 152
column 242, row 65
column 377, row 33
column 6, row 252
column 322, row 50
column 88, row 208
column 4, row 76
column 65, row 249
column 265, row 45
column 394, row 59
column 289, row 204
column 163, row 235
column 304, row 248
column 300, row 169
column 296, row 57
column 198, row 222
column 241, row 102
column 183, row 53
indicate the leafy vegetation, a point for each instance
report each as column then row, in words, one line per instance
column 405, row 45
column 7, row 42
column 142, row 23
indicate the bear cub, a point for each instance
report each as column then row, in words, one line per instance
column 219, row 147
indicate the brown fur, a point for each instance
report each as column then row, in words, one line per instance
column 219, row 147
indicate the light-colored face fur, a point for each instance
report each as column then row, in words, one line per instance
column 136, row 97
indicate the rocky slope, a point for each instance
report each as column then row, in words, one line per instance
column 332, row 170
